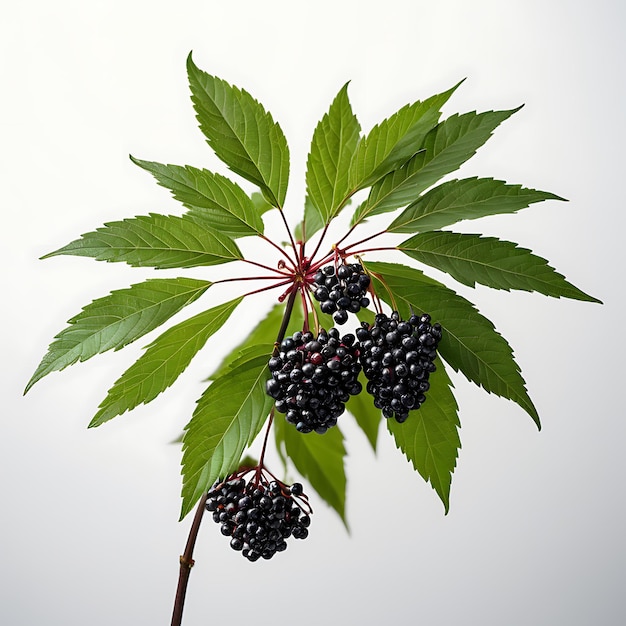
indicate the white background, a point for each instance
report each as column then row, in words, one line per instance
column 89, row 525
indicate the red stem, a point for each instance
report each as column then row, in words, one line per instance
column 266, row 267
column 358, row 243
column 293, row 243
column 319, row 243
column 232, row 280
column 374, row 250
column 281, row 250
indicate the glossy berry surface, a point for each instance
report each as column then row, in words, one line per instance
column 313, row 378
column 397, row 357
column 259, row 516
column 341, row 291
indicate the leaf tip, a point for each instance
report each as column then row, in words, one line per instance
column 96, row 421
column 192, row 68
column 185, row 509
column 48, row 255
column 144, row 165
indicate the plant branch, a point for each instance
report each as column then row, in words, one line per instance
column 275, row 245
column 382, row 249
column 240, row 278
column 358, row 243
column 267, row 432
column 319, row 243
column 266, row 267
column 186, row 563
column 286, row 316
column 293, row 243
column 262, row 289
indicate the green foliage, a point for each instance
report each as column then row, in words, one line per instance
column 311, row 223
column 118, row 319
column 395, row 140
column 320, row 460
column 470, row 343
column 328, row 166
column 261, row 337
column 160, row 241
column 241, row 132
column 454, row 141
column 398, row 165
column 367, row 416
column 431, row 440
column 446, row 147
column 164, row 360
column 466, row 199
column 229, row 415
column 472, row 259
column 221, row 203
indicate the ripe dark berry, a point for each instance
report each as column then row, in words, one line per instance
column 343, row 291
column 397, row 358
column 259, row 515
column 312, row 381
column 341, row 317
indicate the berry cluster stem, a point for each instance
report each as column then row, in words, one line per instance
column 186, row 563
column 287, row 315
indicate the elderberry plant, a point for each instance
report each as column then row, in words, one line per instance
column 296, row 373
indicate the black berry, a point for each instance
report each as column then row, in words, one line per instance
column 343, row 291
column 259, row 515
column 397, row 357
column 313, row 378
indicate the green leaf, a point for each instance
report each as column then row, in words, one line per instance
column 328, row 165
column 470, row 343
column 241, row 132
column 429, row 438
column 228, row 417
column 312, row 221
column 118, row 319
column 367, row 416
column 465, row 199
column 261, row 205
column 454, row 141
column 164, row 360
column 396, row 189
column 161, row 241
column 472, row 259
column 262, row 334
column 395, row 140
column 217, row 200
column 320, row 459
column 446, row 148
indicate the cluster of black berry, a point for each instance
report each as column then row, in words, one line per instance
column 343, row 292
column 313, row 378
column 258, row 516
column 397, row 358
